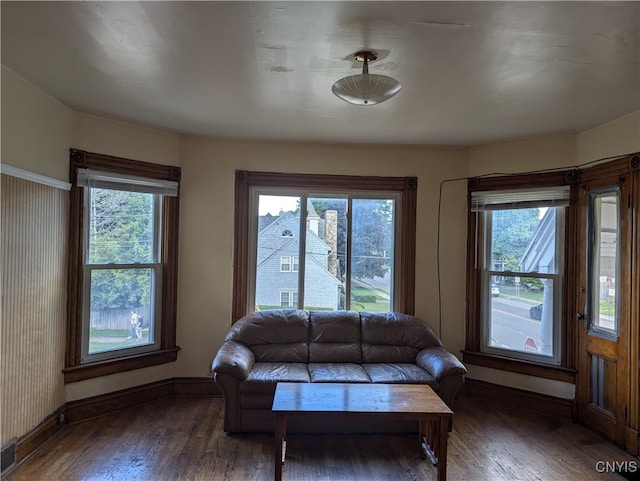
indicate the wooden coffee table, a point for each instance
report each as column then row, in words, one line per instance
column 414, row 402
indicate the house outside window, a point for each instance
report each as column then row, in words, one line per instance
column 344, row 246
column 520, row 259
column 123, row 265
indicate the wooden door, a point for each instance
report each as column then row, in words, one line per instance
column 604, row 305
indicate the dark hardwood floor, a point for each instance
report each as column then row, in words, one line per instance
column 182, row 439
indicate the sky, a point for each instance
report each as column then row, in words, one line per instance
column 273, row 204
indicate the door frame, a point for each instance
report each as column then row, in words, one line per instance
column 621, row 428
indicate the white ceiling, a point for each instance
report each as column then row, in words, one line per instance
column 471, row 72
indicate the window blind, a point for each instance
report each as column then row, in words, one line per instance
column 130, row 183
column 520, row 198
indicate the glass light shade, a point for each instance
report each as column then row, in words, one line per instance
column 366, row 89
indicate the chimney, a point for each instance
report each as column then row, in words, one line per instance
column 331, row 238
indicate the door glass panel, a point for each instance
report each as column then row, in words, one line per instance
column 604, row 262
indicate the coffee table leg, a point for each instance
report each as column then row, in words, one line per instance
column 429, row 432
column 442, row 427
column 280, row 439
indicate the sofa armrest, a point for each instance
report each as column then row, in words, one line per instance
column 440, row 363
column 234, row 359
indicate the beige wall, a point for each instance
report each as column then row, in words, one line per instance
column 121, row 139
column 525, row 156
column 206, row 228
column 36, row 128
column 618, row 137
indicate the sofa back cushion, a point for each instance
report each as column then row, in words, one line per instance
column 394, row 337
column 334, row 336
column 274, row 335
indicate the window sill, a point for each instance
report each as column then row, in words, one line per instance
column 122, row 364
column 557, row 373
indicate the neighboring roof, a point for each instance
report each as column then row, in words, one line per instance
column 311, row 211
column 270, row 237
column 541, row 250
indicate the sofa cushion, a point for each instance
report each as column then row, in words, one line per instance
column 399, row 373
column 263, row 376
column 394, row 337
column 337, row 372
column 274, row 335
column 334, row 336
column 374, row 353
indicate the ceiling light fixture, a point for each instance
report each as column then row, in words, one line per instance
column 366, row 88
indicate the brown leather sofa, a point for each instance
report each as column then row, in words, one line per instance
column 273, row 346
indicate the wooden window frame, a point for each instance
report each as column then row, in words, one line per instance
column 472, row 353
column 245, row 180
column 168, row 350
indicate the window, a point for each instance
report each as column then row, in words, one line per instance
column 347, row 243
column 604, row 262
column 285, row 264
column 122, row 265
column 288, row 299
column 289, row 264
column 122, row 271
column 517, row 273
column 351, row 242
column 285, row 299
column 522, row 270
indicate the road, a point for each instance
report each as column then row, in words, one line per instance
column 511, row 325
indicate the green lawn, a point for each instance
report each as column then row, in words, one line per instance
column 109, row 333
column 111, row 339
column 376, row 304
column 534, row 296
column 607, row 308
